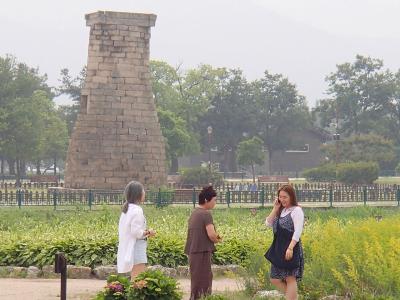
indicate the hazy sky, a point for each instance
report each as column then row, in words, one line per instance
column 302, row 39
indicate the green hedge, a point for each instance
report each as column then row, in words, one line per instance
column 200, row 176
column 322, row 173
column 358, row 173
column 166, row 251
column 350, row 173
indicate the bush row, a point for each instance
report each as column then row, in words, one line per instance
column 350, row 173
column 165, row 251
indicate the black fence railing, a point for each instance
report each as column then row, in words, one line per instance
column 29, row 185
column 318, row 195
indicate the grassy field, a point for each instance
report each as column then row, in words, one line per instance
column 347, row 250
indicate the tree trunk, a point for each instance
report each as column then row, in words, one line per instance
column 55, row 166
column 2, row 169
column 253, row 172
column 270, row 162
column 38, row 167
column 22, row 168
column 18, row 175
column 174, row 165
column 11, row 166
column 232, row 161
column 226, row 162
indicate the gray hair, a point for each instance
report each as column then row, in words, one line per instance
column 133, row 194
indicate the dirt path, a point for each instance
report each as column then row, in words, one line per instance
column 79, row 289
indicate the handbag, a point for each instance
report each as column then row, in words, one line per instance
column 276, row 252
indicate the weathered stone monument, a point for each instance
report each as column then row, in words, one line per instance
column 117, row 137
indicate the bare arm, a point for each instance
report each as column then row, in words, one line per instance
column 212, row 234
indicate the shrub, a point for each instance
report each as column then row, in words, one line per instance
column 117, row 288
column 200, row 176
column 153, row 285
column 322, row 173
column 358, row 173
column 398, row 169
column 149, row 285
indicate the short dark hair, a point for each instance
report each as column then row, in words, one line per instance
column 206, row 194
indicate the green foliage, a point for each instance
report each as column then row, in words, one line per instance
column 364, row 147
column 350, row 173
column 72, row 86
column 179, row 141
column 280, row 112
column 117, row 288
column 256, row 276
column 398, row 168
column 359, row 92
column 325, row 172
column 30, row 127
column 167, row 251
column 359, row 173
column 234, row 251
column 250, row 152
column 182, row 98
column 346, row 250
column 230, row 114
column 361, row 268
column 200, row 176
column 154, row 285
column 149, row 285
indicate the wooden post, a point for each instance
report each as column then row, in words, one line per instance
column 60, row 266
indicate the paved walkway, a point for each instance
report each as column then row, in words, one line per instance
column 79, row 289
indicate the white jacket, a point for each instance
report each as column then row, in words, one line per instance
column 131, row 227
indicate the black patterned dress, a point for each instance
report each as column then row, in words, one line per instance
column 286, row 222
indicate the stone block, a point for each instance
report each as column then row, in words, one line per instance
column 48, row 272
column 78, row 272
column 102, row 272
column 33, row 272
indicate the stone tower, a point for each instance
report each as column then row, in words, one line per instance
column 117, row 137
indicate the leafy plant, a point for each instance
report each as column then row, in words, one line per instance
column 360, row 172
column 200, row 176
column 117, row 288
column 154, row 285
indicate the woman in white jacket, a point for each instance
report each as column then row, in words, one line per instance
column 132, row 232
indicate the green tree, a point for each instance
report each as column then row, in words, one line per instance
column 56, row 139
column 165, row 86
column 364, row 147
column 22, row 135
column 17, row 80
column 186, row 94
column 231, row 116
column 71, row 87
column 391, row 118
column 250, row 152
column 359, row 92
column 281, row 112
column 179, row 142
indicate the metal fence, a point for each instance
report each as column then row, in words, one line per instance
column 328, row 196
column 30, row 185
